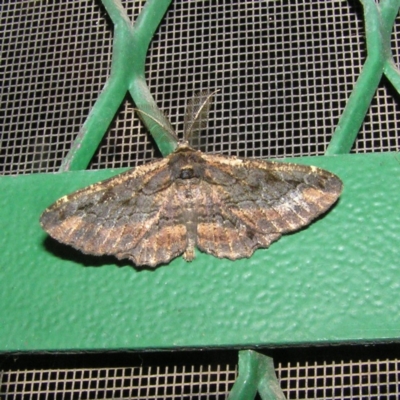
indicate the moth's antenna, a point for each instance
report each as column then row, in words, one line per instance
column 196, row 116
column 167, row 126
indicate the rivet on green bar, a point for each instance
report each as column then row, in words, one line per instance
column 379, row 20
column 127, row 74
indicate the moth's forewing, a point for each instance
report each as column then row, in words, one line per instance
column 121, row 216
column 255, row 202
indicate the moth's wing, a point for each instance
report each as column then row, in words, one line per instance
column 133, row 215
column 252, row 203
column 221, row 233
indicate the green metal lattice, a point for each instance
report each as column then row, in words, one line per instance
column 127, row 75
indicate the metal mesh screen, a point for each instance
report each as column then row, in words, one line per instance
column 121, row 383
column 285, row 70
column 354, row 380
column 377, row 379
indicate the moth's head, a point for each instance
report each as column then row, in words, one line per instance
column 183, row 145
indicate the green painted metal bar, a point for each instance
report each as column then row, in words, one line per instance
column 379, row 20
column 127, row 73
column 142, row 33
column 337, row 280
column 256, row 374
column 246, row 383
column 393, row 74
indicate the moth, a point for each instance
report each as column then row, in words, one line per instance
column 224, row 206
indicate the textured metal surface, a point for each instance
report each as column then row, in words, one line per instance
column 337, row 280
column 301, row 61
column 341, row 380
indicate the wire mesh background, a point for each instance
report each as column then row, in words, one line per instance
column 122, row 383
column 378, row 379
column 285, row 71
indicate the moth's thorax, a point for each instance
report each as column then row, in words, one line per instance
column 187, row 165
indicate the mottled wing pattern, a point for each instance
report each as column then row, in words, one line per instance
column 225, row 206
column 134, row 215
column 252, row 203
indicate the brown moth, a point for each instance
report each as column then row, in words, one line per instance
column 224, row 206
